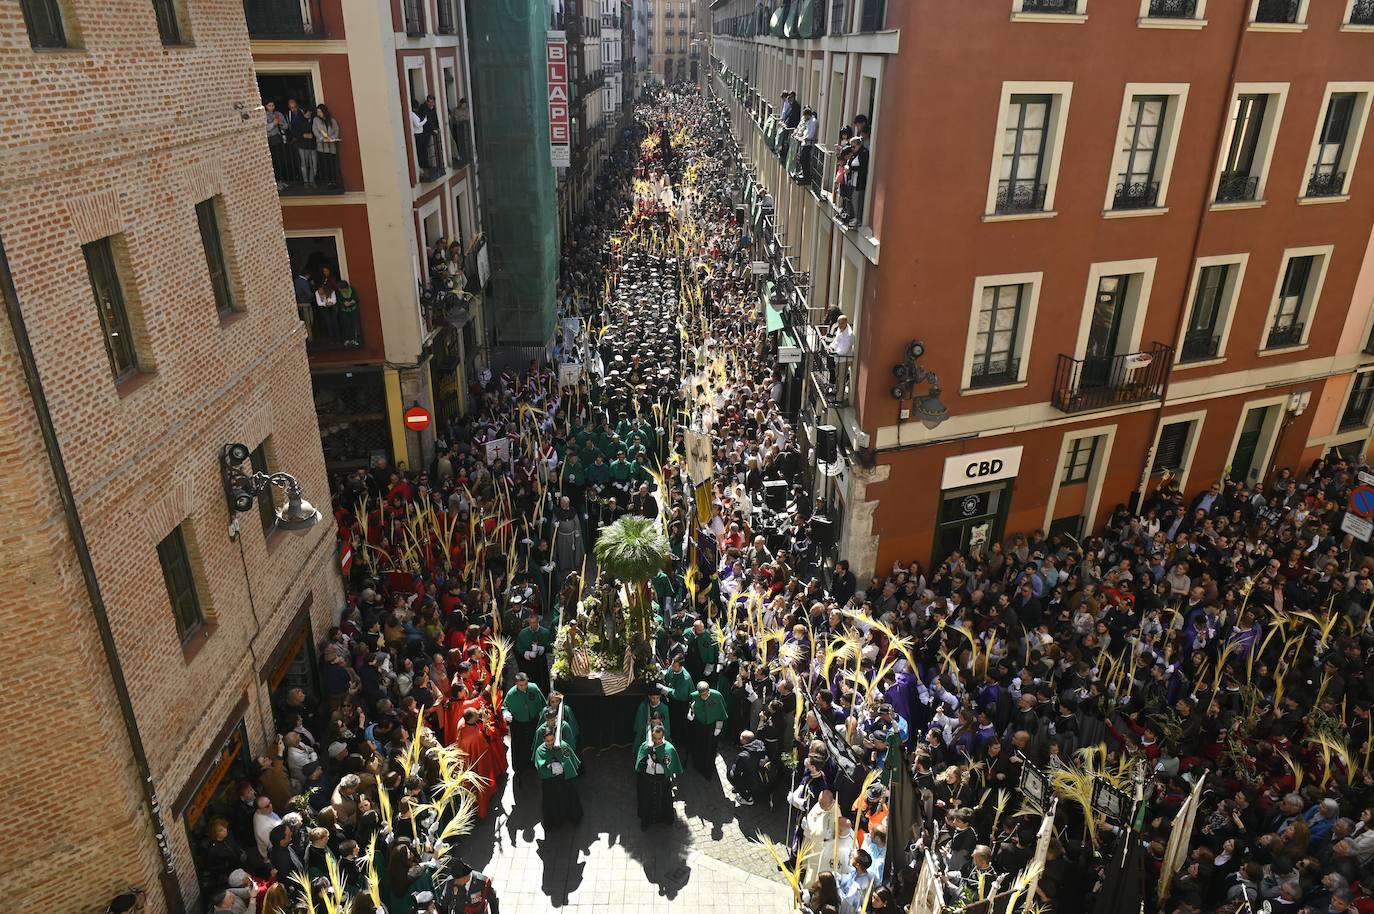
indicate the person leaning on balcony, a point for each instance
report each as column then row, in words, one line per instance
column 327, row 300
column 856, row 178
column 326, row 130
column 841, row 351
column 348, row 314
column 305, row 302
column 299, row 125
column 276, row 140
column 805, row 136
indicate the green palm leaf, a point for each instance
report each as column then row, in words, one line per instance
column 633, row 549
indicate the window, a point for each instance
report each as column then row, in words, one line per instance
column 1173, row 443
column 1362, row 12
column 43, row 18
column 1172, row 9
column 1055, row 7
column 1024, row 169
column 1336, row 144
column 208, row 219
column 1287, row 326
column 1238, row 180
column 267, row 501
column 181, row 584
column 1136, row 186
column 1079, row 464
column 109, row 303
column 1278, row 12
column 995, row 344
column 1202, row 339
column 1020, row 188
column 168, row 26
column 1356, row 413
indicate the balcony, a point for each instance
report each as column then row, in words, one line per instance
column 1325, row 183
column 1103, row 382
column 1136, row 195
column 302, row 172
column 1237, row 187
column 429, row 152
column 1277, row 11
column 414, row 12
column 1173, row 9
column 1199, row 345
column 446, row 24
column 272, row 19
column 1281, row 335
column 995, row 374
column 1020, row 197
column 1362, row 13
column 1063, row 7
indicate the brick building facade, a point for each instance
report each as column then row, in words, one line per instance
column 133, row 172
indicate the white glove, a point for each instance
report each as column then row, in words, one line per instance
column 505, row 715
column 530, row 655
column 719, row 725
column 710, row 668
column 691, row 712
column 556, row 767
column 656, row 768
column 663, row 687
column 539, row 648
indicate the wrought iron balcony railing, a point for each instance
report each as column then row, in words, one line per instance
column 1325, row 183
column 1362, row 13
column 1279, row 11
column 1020, row 196
column 1199, row 345
column 1136, row 195
column 993, row 374
column 1280, row 335
column 1236, row 186
column 1067, row 7
column 1173, row 9
column 1099, row 383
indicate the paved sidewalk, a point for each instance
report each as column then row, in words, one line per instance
column 711, row 860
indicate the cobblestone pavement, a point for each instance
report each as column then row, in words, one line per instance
column 711, row 860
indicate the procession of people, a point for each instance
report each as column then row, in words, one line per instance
column 1172, row 712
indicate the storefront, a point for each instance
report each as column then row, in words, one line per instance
column 213, row 789
column 975, row 496
column 351, row 408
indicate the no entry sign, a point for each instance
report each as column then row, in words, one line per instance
column 1362, row 501
column 417, row 418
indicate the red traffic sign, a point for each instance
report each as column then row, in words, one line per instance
column 417, row 419
column 1362, row 501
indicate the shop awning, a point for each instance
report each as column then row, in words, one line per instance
column 771, row 314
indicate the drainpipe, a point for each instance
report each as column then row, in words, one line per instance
column 171, row 889
column 1138, row 496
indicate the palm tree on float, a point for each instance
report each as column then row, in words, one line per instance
column 632, row 550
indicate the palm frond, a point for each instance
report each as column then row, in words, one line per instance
column 633, row 549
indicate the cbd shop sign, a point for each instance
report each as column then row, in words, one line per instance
column 985, row 466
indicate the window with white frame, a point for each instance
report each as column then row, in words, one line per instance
column 1049, row 7
column 1278, row 12
column 1212, row 293
column 1295, row 297
column 1172, row 449
column 1248, row 144
column 1148, row 137
column 995, row 359
column 1358, row 403
column 1029, row 143
column 1175, row 10
column 1336, row 143
column 1361, row 13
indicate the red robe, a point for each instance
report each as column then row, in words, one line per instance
column 473, row 743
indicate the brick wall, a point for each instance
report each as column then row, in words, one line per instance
column 123, row 137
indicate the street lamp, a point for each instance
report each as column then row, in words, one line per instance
column 929, row 409
column 242, row 490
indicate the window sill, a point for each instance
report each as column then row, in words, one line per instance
column 1150, row 22
column 1316, row 201
column 992, row 389
column 1282, row 350
column 197, row 641
column 1200, row 363
column 1067, row 18
column 1352, row 27
column 1133, row 213
column 1019, row 217
column 231, row 317
column 1237, row 204
column 1277, row 26
column 133, row 383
